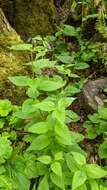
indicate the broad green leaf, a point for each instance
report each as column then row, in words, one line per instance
column 71, row 163
column 103, row 150
column 102, row 112
column 5, row 149
column 30, row 165
column 91, row 133
column 72, row 75
column 43, row 184
column 19, row 80
column 94, row 185
column 79, row 158
column 81, row 66
column 51, row 85
column 22, row 47
column 41, row 64
column 38, row 128
column 32, row 93
column 39, row 143
column 57, row 180
column 82, row 187
column 15, row 168
column 71, row 89
column 45, row 105
column 59, row 156
column 65, row 102
column 2, row 169
column 94, row 118
column 85, row 18
column 59, row 115
column 28, row 109
column 69, row 31
column 5, row 183
column 71, row 116
column 56, row 168
column 102, row 187
column 41, row 169
column 64, row 58
column 79, row 179
column 2, row 122
column 45, row 159
column 5, row 107
column 95, row 172
column 76, row 137
column 67, row 177
column 63, row 132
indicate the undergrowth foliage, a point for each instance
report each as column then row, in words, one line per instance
column 37, row 149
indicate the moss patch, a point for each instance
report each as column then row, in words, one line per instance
column 34, row 17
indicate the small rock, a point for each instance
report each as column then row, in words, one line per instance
column 92, row 94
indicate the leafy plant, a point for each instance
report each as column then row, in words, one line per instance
column 38, row 151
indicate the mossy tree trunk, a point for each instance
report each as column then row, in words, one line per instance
column 11, row 63
column 30, row 17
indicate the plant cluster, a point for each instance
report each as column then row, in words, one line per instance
column 37, row 149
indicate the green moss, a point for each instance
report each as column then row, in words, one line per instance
column 11, row 63
column 34, row 17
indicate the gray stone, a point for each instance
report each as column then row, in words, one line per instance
column 92, row 94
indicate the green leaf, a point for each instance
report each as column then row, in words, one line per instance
column 41, row 169
column 76, row 137
column 39, row 143
column 71, row 163
column 5, row 149
column 43, row 184
column 59, row 156
column 59, row 114
column 94, row 118
column 22, row 47
column 41, row 64
column 81, row 66
column 2, row 169
column 5, row 183
column 19, row 80
column 38, row 128
column 94, row 185
column 102, row 112
column 72, row 116
column 79, row 158
column 69, row 31
column 103, row 150
column 65, row 102
column 51, row 85
column 82, row 187
column 79, row 179
column 56, row 168
column 30, row 166
column 15, row 168
column 95, row 172
column 57, row 180
column 102, row 187
column 67, row 177
column 2, row 122
column 45, row 105
column 63, row 132
column 45, row 159
column 71, row 90
column 64, row 58
column 5, row 107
